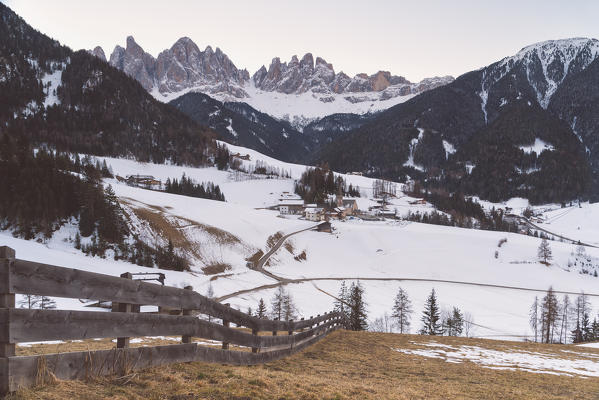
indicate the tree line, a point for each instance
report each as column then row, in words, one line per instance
column 188, row 187
column 44, row 190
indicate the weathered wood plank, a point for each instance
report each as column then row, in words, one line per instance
column 28, row 277
column 37, row 325
column 21, row 371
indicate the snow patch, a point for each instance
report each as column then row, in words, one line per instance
column 515, row 360
column 537, row 147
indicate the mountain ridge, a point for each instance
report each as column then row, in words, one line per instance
column 319, row 91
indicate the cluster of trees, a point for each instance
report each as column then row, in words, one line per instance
column 434, row 321
column 382, row 188
column 585, row 263
column 350, row 303
column 187, row 187
column 43, row 190
column 282, row 307
column 261, row 167
column 316, row 184
column 555, row 321
column 450, row 323
column 459, row 211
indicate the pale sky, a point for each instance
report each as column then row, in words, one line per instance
column 416, row 39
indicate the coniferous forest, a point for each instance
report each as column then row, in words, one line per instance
column 187, row 187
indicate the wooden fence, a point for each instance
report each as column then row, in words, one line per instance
column 27, row 325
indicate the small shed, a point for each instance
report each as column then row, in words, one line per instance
column 324, row 227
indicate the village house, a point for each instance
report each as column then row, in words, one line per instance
column 314, row 214
column 142, row 181
column 345, row 206
column 291, row 206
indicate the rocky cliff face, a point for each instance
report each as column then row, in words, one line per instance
column 98, row 52
column 181, row 67
column 300, row 91
column 301, row 76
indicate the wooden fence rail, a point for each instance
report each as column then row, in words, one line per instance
column 26, row 325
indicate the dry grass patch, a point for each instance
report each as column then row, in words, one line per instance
column 273, row 239
column 164, row 228
column 345, row 365
column 216, row 268
column 254, row 258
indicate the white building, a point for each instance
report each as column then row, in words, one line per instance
column 291, row 206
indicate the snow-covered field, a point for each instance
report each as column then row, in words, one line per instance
column 381, row 254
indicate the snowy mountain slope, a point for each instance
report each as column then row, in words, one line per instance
column 243, row 125
column 488, row 116
column 298, row 91
column 537, row 70
column 378, row 251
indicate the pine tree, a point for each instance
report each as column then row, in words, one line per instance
column 454, row 323
column 534, row 317
column 78, row 241
column 544, row 252
column 430, row 316
column 261, row 312
column 581, row 308
column 585, row 326
column 565, row 319
column 549, row 315
column 402, row 311
column 341, row 303
column 357, row 312
column 277, row 304
column 210, row 291
column 289, row 309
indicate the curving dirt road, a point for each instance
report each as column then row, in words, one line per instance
column 285, row 281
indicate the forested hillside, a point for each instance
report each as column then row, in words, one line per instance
column 73, row 101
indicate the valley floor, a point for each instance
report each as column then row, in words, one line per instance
column 362, row 365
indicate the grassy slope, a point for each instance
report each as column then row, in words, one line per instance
column 347, row 365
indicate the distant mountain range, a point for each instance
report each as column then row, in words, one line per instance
column 300, row 91
column 527, row 125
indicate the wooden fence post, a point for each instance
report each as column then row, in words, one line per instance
column 123, row 342
column 255, row 333
column 7, row 300
column 226, row 324
column 310, row 327
column 290, row 327
column 274, row 331
column 186, row 338
column 301, row 330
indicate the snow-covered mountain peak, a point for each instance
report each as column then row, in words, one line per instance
column 544, row 65
column 300, row 90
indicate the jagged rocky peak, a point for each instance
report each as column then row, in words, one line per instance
column 98, row 52
column 181, row 67
column 319, row 77
column 135, row 62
